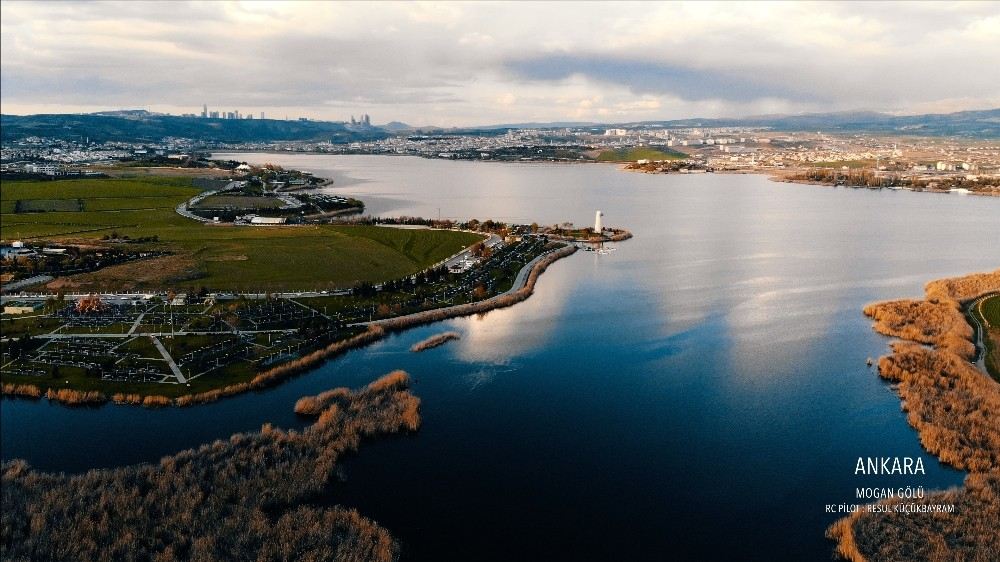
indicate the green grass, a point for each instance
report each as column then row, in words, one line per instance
column 226, row 258
column 239, row 202
column 98, row 187
column 141, row 346
column 13, row 327
column 639, row 153
column 989, row 311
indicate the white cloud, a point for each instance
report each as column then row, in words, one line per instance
column 454, row 63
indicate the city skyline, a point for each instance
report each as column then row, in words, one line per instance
column 476, row 64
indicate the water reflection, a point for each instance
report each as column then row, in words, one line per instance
column 713, row 362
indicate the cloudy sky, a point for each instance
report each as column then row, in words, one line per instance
column 480, row 63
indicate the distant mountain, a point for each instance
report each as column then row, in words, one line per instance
column 979, row 124
column 143, row 126
column 395, row 126
column 541, row 125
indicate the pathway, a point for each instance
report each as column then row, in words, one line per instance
column 170, row 360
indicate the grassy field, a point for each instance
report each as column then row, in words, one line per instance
column 221, row 258
column 640, row 153
column 239, row 202
column 990, row 312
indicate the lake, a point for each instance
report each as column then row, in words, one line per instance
column 699, row 393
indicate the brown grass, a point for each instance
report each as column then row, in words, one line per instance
column 72, row 397
column 246, row 498
column 26, row 390
column 211, row 395
column 939, row 323
column 155, row 272
column 155, row 401
column 435, row 341
column 967, row 535
column 966, row 288
column 955, row 409
column 122, row 398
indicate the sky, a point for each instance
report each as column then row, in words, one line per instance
column 466, row 64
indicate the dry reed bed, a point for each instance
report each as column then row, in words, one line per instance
column 968, row 535
column 940, row 323
column 245, row 498
column 435, row 341
column 955, row 409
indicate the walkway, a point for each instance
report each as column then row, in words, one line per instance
column 7, row 287
column 170, row 360
column 974, row 312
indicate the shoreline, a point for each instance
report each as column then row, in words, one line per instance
column 221, row 489
column 522, row 288
column 954, row 407
column 623, row 166
column 776, row 175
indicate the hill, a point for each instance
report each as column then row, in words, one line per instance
column 140, row 126
column 978, row 124
column 639, row 153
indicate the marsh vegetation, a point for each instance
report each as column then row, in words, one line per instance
column 246, row 498
column 955, row 409
column 435, row 341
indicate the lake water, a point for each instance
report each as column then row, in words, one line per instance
column 701, row 393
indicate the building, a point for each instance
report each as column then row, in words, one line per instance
column 598, row 225
column 22, row 307
column 267, row 220
column 47, row 169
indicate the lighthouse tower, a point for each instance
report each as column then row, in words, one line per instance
column 598, row 227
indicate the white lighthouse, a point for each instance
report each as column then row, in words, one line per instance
column 598, row 227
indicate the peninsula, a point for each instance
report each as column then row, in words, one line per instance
column 954, row 407
column 137, row 302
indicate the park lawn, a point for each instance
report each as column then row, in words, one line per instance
column 223, row 258
column 141, row 346
column 130, row 203
column 239, row 202
column 14, row 327
column 114, row 328
column 257, row 259
column 98, row 187
column 639, row 153
column 990, row 312
column 76, row 379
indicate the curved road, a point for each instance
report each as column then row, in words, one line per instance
column 973, row 312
